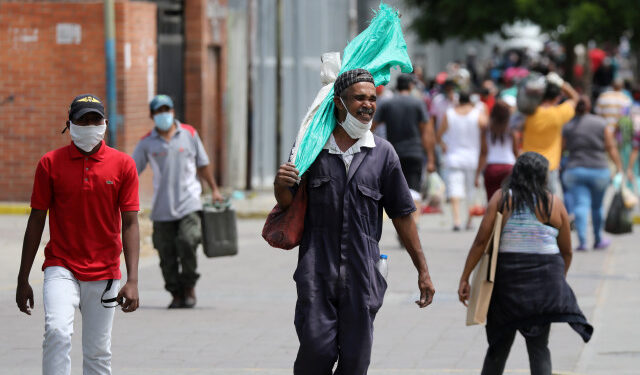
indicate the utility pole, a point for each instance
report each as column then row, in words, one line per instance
column 353, row 18
column 110, row 54
column 251, row 19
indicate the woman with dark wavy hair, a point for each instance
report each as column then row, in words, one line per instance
column 530, row 290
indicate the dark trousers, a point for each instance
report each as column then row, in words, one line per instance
column 500, row 341
column 335, row 323
column 412, row 171
column 176, row 242
column 331, row 331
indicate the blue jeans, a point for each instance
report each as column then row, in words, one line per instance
column 587, row 187
column 566, row 194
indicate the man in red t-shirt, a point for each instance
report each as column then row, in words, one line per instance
column 90, row 190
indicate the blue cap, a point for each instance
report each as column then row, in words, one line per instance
column 383, row 256
column 160, row 100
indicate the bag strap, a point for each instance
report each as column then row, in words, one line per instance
column 106, row 301
column 494, row 245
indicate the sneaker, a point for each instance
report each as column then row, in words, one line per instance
column 456, row 228
column 603, row 244
column 177, row 302
column 581, row 248
column 189, row 298
column 431, row 210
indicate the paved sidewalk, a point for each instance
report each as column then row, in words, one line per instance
column 243, row 323
column 248, row 205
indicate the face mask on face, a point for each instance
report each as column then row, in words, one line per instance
column 87, row 137
column 163, row 121
column 354, row 127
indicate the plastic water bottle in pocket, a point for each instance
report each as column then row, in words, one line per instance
column 383, row 265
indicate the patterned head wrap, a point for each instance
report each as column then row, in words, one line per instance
column 351, row 77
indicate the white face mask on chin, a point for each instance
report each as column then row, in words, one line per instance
column 354, row 127
column 87, row 137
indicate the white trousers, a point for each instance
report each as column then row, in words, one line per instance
column 460, row 183
column 63, row 293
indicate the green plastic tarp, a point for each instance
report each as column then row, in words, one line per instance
column 377, row 49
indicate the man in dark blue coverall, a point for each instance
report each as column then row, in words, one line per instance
column 339, row 287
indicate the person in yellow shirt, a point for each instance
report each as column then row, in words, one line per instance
column 543, row 129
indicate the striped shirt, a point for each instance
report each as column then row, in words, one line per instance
column 524, row 233
column 612, row 105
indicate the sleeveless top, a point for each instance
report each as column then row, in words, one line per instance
column 462, row 139
column 500, row 152
column 524, row 233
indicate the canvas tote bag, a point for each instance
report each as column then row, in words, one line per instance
column 483, row 277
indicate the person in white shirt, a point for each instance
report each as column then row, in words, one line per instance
column 459, row 139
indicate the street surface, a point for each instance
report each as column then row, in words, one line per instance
column 243, row 323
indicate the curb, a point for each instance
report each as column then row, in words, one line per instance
column 25, row 209
column 15, row 209
column 252, row 215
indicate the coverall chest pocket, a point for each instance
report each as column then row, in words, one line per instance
column 369, row 208
column 320, row 195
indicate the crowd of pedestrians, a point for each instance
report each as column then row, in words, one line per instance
column 468, row 133
column 479, row 131
column 545, row 170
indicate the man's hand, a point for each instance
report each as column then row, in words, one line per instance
column 554, row 79
column 128, row 297
column 426, row 290
column 32, row 237
column 431, row 166
column 24, row 294
column 464, row 291
column 476, row 181
column 287, row 175
column 216, row 196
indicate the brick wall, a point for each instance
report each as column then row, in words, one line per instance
column 205, row 77
column 136, row 53
column 43, row 65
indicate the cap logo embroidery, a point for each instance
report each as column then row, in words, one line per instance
column 109, row 182
column 90, row 99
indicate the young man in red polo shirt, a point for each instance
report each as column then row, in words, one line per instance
column 89, row 190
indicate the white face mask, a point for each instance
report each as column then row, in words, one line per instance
column 354, row 127
column 87, row 137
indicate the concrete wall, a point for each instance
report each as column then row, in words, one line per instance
column 236, row 94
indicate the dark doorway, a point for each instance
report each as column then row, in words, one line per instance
column 171, row 52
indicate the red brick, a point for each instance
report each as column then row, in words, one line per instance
column 44, row 77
